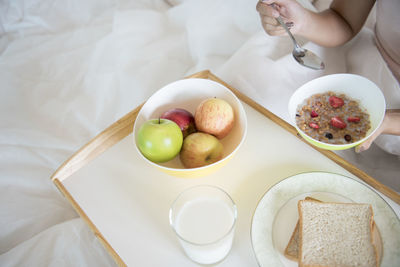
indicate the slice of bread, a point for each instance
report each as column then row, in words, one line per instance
column 292, row 249
column 335, row 234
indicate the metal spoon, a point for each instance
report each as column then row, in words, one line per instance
column 302, row 55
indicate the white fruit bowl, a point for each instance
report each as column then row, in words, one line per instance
column 356, row 87
column 187, row 94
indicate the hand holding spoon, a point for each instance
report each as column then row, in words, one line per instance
column 302, row 55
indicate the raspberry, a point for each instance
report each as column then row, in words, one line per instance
column 314, row 114
column 338, row 122
column 313, row 125
column 353, row 119
column 335, row 101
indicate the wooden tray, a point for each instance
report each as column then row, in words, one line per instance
column 123, row 127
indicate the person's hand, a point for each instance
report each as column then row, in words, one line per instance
column 292, row 13
column 389, row 125
column 367, row 143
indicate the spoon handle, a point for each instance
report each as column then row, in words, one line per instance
column 283, row 24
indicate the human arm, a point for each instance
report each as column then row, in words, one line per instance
column 390, row 125
column 332, row 27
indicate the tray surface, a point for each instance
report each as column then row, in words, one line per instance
column 125, row 201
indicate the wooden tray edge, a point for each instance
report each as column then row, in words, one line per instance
column 91, row 225
column 107, row 138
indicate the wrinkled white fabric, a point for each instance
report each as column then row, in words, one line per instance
column 68, row 69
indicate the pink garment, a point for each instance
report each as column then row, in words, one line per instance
column 387, row 30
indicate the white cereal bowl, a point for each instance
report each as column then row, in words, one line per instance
column 354, row 86
column 187, row 94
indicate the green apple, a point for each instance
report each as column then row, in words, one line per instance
column 200, row 149
column 159, row 140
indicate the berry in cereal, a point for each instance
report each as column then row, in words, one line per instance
column 353, row 119
column 335, row 101
column 314, row 114
column 313, row 125
column 338, row 122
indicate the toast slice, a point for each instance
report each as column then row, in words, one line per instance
column 292, row 249
column 336, row 234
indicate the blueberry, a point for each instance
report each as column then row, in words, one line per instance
column 297, row 115
column 347, row 137
column 329, row 135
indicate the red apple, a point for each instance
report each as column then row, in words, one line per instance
column 200, row 149
column 214, row 116
column 183, row 118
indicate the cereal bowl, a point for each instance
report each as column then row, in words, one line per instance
column 187, row 94
column 368, row 96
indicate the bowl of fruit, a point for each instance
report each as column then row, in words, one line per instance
column 190, row 127
column 337, row 111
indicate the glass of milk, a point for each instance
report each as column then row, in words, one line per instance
column 203, row 218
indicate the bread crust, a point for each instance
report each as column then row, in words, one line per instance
column 287, row 253
column 372, row 227
column 300, row 211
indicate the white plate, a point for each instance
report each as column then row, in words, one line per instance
column 276, row 214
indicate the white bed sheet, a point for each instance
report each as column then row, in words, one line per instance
column 68, row 69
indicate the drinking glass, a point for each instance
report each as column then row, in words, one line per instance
column 203, row 218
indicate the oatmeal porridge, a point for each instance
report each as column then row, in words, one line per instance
column 332, row 118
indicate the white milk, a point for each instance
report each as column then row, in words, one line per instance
column 206, row 227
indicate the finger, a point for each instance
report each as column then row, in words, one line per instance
column 366, row 144
column 274, row 22
column 273, row 31
column 363, row 146
column 279, row 3
column 268, row 2
column 267, row 10
column 277, row 33
column 269, row 21
column 270, row 28
column 271, row 25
